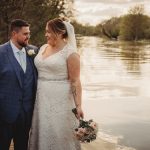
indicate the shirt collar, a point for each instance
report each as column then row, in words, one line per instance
column 15, row 49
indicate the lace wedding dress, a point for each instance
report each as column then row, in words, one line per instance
column 53, row 122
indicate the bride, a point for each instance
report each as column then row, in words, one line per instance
column 59, row 90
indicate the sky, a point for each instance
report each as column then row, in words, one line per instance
column 96, row 11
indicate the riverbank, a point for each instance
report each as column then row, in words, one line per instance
column 99, row 144
column 96, row 145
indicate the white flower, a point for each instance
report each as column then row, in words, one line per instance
column 93, row 125
column 31, row 52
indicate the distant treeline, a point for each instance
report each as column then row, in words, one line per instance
column 132, row 26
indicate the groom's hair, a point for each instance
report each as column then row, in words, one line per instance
column 17, row 24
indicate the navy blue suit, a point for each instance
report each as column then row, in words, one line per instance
column 17, row 96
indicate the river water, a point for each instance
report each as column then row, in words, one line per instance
column 115, row 78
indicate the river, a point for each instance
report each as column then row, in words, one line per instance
column 115, row 79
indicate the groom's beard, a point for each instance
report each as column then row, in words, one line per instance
column 23, row 43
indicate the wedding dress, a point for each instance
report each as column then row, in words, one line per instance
column 53, row 122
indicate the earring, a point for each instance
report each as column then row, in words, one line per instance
column 64, row 40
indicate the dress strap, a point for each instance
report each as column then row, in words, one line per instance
column 43, row 47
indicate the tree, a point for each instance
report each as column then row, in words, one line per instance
column 110, row 28
column 133, row 24
column 7, row 13
column 147, row 29
column 86, row 30
column 137, row 10
column 36, row 12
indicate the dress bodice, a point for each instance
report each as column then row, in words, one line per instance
column 53, row 67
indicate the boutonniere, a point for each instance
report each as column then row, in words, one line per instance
column 31, row 52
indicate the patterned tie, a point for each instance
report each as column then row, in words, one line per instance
column 21, row 60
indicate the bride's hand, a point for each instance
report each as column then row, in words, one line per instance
column 80, row 113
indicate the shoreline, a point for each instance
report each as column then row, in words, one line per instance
column 102, row 144
column 99, row 144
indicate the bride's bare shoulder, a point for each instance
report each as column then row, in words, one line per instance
column 43, row 46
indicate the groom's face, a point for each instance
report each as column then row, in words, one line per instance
column 22, row 36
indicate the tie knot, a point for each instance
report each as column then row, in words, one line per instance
column 20, row 52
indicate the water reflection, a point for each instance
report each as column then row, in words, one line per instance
column 132, row 53
column 115, row 78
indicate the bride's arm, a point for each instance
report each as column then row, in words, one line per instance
column 73, row 63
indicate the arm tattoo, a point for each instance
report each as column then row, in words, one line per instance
column 74, row 92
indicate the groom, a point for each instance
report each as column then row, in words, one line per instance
column 17, row 87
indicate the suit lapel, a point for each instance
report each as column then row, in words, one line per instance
column 32, row 64
column 14, row 63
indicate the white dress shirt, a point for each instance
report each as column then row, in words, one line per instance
column 20, row 55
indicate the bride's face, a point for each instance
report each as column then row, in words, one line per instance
column 50, row 36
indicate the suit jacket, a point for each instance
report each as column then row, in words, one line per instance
column 11, row 86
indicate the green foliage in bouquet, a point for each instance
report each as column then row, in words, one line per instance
column 86, row 131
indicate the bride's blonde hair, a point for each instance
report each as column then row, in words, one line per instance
column 57, row 26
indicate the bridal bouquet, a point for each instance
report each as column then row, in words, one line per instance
column 86, row 131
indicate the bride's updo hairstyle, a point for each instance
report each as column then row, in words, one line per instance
column 57, row 26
